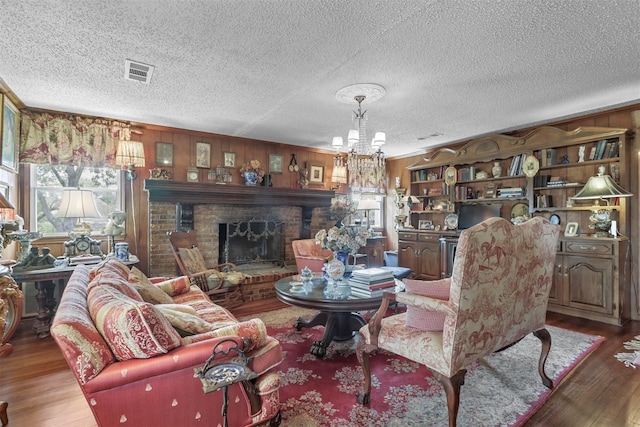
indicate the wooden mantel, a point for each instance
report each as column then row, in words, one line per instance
column 161, row 190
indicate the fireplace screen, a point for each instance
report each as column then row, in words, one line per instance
column 254, row 241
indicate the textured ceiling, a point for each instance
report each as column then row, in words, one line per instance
column 269, row 70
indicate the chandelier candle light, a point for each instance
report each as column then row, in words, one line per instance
column 366, row 163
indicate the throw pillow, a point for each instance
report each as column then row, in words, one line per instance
column 176, row 286
column 132, row 329
column 148, row 291
column 184, row 320
column 419, row 318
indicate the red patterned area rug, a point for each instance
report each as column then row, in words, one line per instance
column 503, row 390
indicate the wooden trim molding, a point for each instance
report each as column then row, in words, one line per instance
column 206, row 193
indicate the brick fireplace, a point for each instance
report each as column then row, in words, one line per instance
column 297, row 213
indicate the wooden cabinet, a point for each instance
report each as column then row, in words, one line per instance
column 587, row 282
column 374, row 250
column 540, row 173
column 420, row 252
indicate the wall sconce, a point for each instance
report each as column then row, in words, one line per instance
column 601, row 187
column 129, row 156
column 339, row 174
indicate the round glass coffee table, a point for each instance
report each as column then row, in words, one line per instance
column 340, row 317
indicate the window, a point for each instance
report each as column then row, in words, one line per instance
column 48, row 183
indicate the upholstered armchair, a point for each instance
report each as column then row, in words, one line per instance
column 10, row 315
column 497, row 294
column 221, row 282
column 310, row 254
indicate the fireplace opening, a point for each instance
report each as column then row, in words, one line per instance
column 252, row 242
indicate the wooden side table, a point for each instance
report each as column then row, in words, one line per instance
column 45, row 281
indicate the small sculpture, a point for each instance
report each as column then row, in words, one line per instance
column 581, row 154
column 304, row 178
column 115, row 226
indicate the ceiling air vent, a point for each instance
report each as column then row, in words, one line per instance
column 137, row 71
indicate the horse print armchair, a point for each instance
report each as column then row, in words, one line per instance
column 497, row 294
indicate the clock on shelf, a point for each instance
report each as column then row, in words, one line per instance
column 82, row 246
column 192, row 174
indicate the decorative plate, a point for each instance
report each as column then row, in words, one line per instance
column 519, row 213
column 554, row 219
column 450, row 175
column 451, row 221
column 530, row 166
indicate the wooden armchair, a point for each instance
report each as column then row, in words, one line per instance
column 310, row 254
column 223, row 283
column 10, row 315
column 497, row 294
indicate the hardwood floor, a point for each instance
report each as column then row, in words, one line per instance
column 41, row 390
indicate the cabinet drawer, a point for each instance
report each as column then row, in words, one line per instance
column 428, row 237
column 407, row 236
column 590, row 247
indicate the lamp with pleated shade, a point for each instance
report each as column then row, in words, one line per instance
column 129, row 156
column 601, row 187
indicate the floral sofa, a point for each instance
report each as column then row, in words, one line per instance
column 135, row 344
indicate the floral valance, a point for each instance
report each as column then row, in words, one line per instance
column 63, row 139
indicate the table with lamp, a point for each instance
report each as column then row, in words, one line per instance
column 76, row 205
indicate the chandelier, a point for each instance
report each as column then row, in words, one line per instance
column 366, row 163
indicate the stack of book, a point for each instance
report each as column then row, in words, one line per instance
column 371, row 282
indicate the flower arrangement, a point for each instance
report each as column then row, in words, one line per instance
column 341, row 208
column 343, row 239
column 253, row 166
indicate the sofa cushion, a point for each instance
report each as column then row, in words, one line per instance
column 132, row 329
column 148, row 291
column 122, row 285
column 419, row 318
column 111, row 267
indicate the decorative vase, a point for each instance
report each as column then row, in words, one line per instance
column 342, row 256
column 496, row 170
column 250, row 178
column 336, row 267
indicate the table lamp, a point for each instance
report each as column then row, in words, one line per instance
column 79, row 204
column 367, row 205
column 601, row 187
column 7, row 214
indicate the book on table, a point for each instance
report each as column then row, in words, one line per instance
column 360, row 292
column 372, row 273
column 389, row 283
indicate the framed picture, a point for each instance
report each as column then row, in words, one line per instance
column 275, row 163
column 316, row 173
column 571, row 229
column 164, row 154
column 425, row 224
column 203, row 155
column 229, row 159
column 10, row 132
